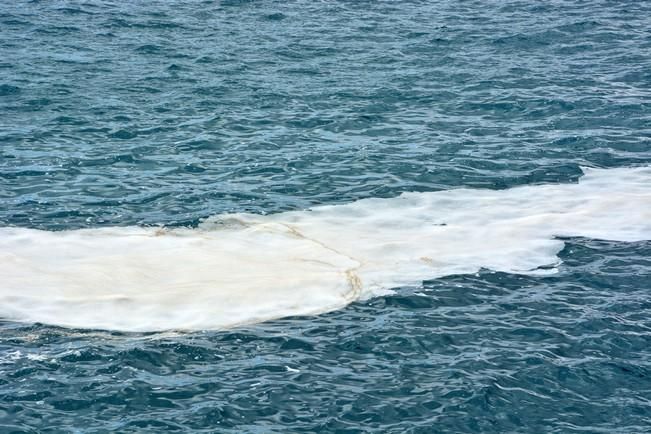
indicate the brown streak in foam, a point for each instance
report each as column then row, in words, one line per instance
column 354, row 281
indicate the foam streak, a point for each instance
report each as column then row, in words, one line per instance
column 243, row 268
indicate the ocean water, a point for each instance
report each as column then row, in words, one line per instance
column 257, row 216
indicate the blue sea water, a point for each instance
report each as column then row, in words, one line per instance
column 166, row 113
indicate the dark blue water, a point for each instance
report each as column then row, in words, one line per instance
column 166, row 113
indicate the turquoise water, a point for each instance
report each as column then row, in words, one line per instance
column 167, row 113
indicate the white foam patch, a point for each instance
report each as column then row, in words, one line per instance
column 243, row 268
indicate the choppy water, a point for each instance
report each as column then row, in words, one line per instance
column 118, row 114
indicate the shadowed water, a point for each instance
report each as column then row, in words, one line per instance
column 167, row 113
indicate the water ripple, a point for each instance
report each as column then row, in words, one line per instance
column 169, row 112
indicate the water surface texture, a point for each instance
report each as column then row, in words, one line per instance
column 115, row 115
